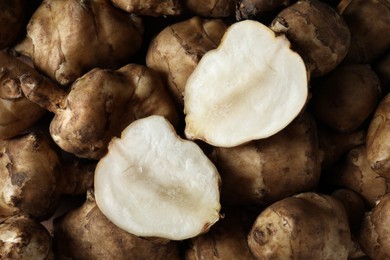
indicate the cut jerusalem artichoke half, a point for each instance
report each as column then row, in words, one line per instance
column 152, row 183
column 250, row 87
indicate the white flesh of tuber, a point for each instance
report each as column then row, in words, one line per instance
column 250, row 87
column 153, row 183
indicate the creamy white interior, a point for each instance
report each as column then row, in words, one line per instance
column 152, row 183
column 250, row 87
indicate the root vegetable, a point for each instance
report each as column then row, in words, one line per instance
column 369, row 23
column 335, row 145
column 85, row 233
column 12, row 14
column 24, row 239
column 32, row 178
column 238, row 90
column 249, row 9
column 153, row 183
column 318, row 33
column 65, row 39
column 382, row 69
column 306, row 226
column 150, row 7
column 99, row 106
column 374, row 236
column 378, row 139
column 177, row 49
column 211, row 8
column 356, row 174
column 225, row 240
column 346, row 97
column 17, row 112
column 265, row 171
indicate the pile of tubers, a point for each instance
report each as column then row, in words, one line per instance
column 183, row 129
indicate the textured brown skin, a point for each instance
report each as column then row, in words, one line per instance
column 211, row 8
column 306, row 226
column 177, row 49
column 29, row 174
column 374, row 236
column 318, row 33
column 247, row 9
column 356, row 174
column 382, row 69
column 100, row 105
column 346, row 97
column 150, row 7
column 369, row 23
column 378, row 139
column 17, row 112
column 85, row 234
column 335, row 145
column 12, row 21
column 225, row 240
column 354, row 205
column 65, row 39
column 267, row 170
column 32, row 240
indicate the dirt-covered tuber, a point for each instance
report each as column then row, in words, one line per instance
column 176, row 50
column 85, row 233
column 17, row 112
column 65, row 39
column 305, row 226
column 23, row 238
column 317, row 32
column 99, row 105
column 150, row 7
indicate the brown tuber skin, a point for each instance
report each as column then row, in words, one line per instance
column 17, row 112
column 100, row 105
column 85, row 233
column 356, row 174
column 375, row 233
column 306, row 226
column 12, row 21
column 264, row 171
column 32, row 177
column 248, row 9
column 225, row 240
column 318, row 33
column 24, row 239
column 369, row 23
column 335, row 145
column 177, row 49
column 65, row 39
column 150, row 7
column 211, row 8
column 378, row 139
column 346, row 97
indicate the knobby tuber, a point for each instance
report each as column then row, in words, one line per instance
column 99, row 105
column 150, row 7
column 317, row 32
column 17, row 112
column 177, row 49
column 23, row 238
column 305, row 226
column 32, row 176
column 85, row 233
column 264, row 171
column 65, row 39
